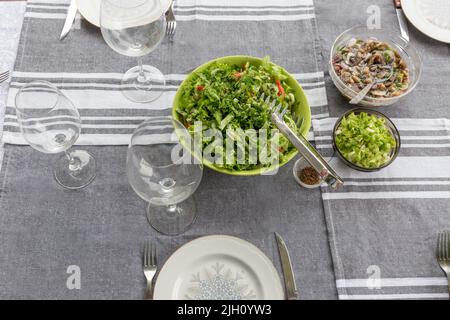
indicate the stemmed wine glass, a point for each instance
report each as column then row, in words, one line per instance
column 135, row 28
column 50, row 123
column 163, row 170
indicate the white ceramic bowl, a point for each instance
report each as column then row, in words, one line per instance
column 298, row 166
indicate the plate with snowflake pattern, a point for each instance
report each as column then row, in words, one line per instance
column 218, row 267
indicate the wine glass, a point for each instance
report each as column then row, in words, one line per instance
column 50, row 123
column 135, row 28
column 162, row 170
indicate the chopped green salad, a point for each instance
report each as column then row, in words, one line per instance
column 226, row 96
column 364, row 140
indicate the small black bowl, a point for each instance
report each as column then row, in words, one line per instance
column 389, row 124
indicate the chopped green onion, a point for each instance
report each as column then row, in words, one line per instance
column 364, row 140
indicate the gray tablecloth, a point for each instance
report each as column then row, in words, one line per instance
column 45, row 229
column 381, row 229
column 101, row 229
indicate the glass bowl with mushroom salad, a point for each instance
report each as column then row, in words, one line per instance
column 366, row 140
column 360, row 56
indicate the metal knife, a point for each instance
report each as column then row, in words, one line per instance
column 289, row 280
column 71, row 13
column 401, row 20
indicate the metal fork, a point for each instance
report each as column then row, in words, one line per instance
column 171, row 21
column 306, row 149
column 443, row 253
column 150, row 267
column 4, row 76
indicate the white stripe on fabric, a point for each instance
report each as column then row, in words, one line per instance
column 320, row 115
column 85, row 139
column 90, row 118
column 393, row 282
column 436, row 124
column 317, row 76
column 249, row 3
column 121, row 86
column 205, row 9
column 309, row 75
column 100, row 85
column 241, row 8
column 329, row 138
column 114, row 99
column 393, row 296
column 428, row 145
column 316, row 97
column 387, row 195
column 269, row 17
column 88, row 126
column 50, row 1
column 425, row 138
column 306, row 85
column 206, row 3
column 402, row 167
column 42, row 15
column 398, row 183
column 73, row 75
column 404, row 145
column 30, row 5
column 106, row 99
column 109, row 126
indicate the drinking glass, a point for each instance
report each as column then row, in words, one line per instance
column 50, row 123
column 135, row 28
column 163, row 170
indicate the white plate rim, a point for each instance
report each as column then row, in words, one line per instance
column 412, row 13
column 93, row 18
column 276, row 288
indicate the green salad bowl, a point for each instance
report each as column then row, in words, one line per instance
column 301, row 109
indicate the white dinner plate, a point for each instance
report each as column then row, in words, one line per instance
column 90, row 9
column 218, row 267
column 432, row 17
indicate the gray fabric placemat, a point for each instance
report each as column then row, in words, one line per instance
column 383, row 226
column 89, row 72
column 45, row 228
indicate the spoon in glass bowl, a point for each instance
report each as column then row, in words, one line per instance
column 357, row 99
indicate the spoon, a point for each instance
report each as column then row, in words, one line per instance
column 357, row 99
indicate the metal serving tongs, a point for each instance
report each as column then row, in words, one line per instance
column 306, row 149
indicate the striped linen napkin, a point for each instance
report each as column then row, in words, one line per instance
column 383, row 226
column 89, row 72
